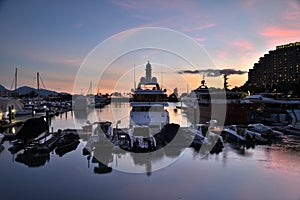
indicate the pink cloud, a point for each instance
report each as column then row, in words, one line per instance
column 130, row 5
column 274, row 31
column 199, row 39
column 124, row 35
column 188, row 17
column 223, row 54
column 292, row 15
column 72, row 61
column 293, row 11
column 243, row 45
column 143, row 17
column 197, row 28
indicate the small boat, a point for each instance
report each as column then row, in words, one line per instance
column 44, row 145
column 27, row 110
column 289, row 130
column 265, row 131
column 239, row 133
column 205, row 135
column 230, row 135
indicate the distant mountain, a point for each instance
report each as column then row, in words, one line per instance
column 64, row 93
column 3, row 89
column 26, row 90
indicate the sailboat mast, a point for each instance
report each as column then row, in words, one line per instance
column 38, row 83
column 16, row 79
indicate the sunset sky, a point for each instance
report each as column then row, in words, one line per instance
column 55, row 37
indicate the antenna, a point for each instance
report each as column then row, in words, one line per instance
column 134, row 83
column 161, row 72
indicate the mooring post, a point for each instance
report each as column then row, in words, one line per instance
column 9, row 114
column 32, row 110
column 47, row 119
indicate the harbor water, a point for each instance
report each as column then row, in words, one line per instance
column 264, row 172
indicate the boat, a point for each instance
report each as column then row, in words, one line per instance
column 44, row 145
column 205, row 135
column 81, row 103
column 289, row 130
column 100, row 101
column 265, row 131
column 32, row 128
column 238, row 109
column 148, row 115
column 149, row 102
column 249, row 135
column 231, row 135
column 26, row 110
column 277, row 109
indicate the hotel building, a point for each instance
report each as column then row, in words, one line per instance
column 280, row 66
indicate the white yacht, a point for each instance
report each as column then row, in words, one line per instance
column 149, row 102
column 148, row 114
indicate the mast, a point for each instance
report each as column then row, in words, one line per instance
column 15, row 82
column 161, row 73
column 38, row 83
column 90, row 90
column 134, row 83
column 16, row 79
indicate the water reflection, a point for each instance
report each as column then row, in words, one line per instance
column 1, row 148
column 33, row 159
column 235, row 173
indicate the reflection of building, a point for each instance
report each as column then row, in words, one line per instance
column 277, row 67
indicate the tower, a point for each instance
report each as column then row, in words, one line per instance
column 148, row 72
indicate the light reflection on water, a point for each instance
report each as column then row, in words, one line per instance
column 266, row 172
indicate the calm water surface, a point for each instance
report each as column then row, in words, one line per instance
column 266, row 172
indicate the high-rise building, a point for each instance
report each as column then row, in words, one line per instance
column 277, row 67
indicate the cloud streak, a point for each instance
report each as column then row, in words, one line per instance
column 188, row 17
column 213, row 72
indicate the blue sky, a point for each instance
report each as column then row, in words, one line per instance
column 54, row 37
